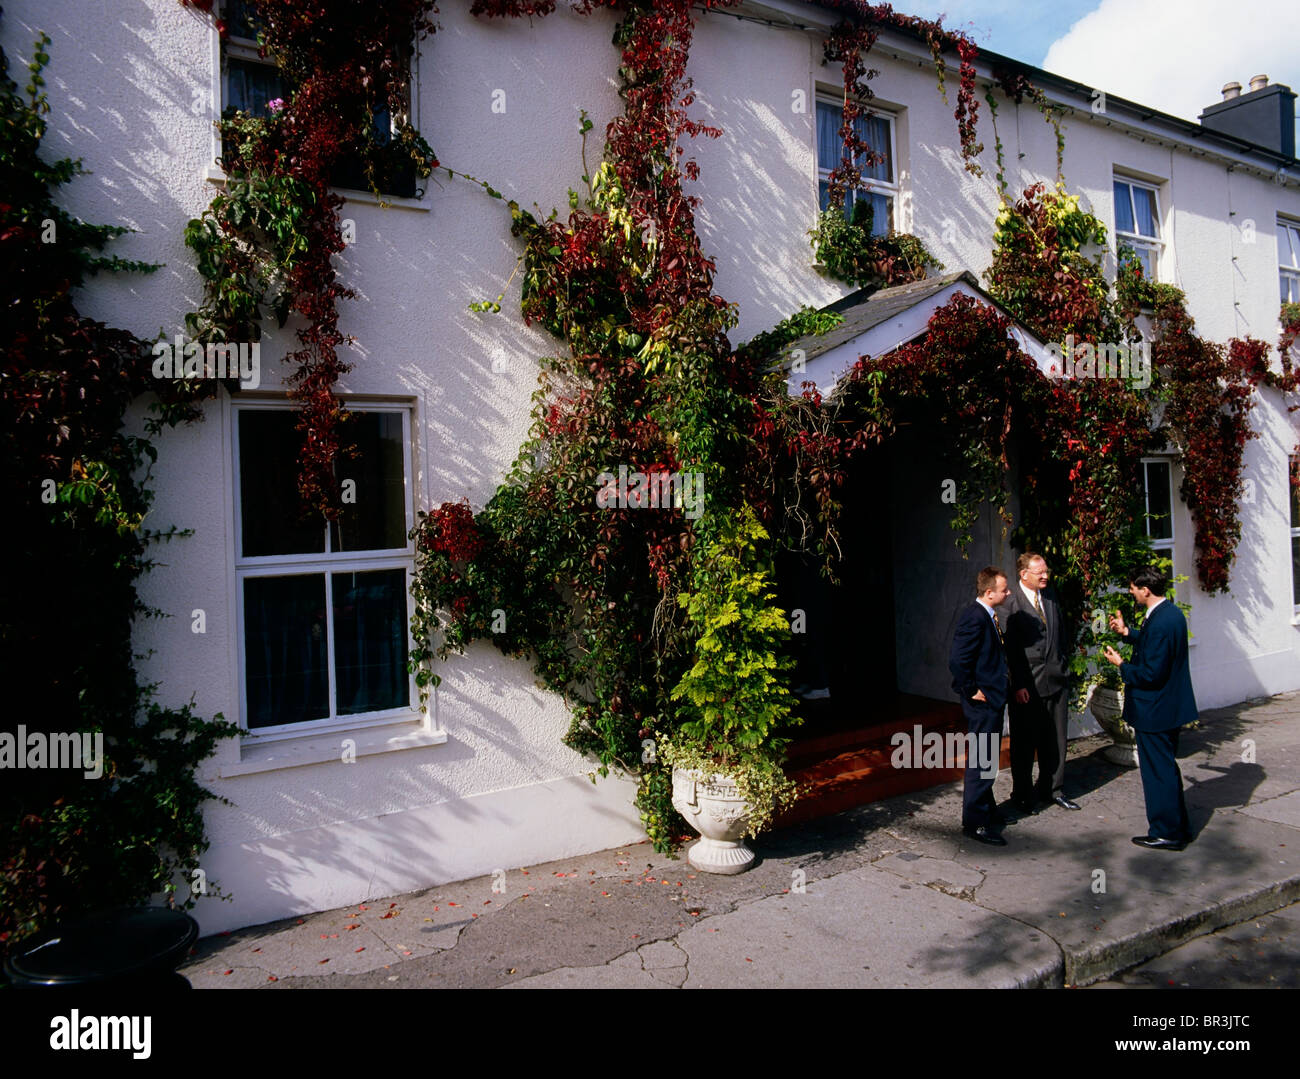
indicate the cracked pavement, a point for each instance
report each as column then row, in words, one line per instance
column 886, row 895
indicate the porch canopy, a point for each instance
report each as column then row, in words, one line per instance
column 876, row 323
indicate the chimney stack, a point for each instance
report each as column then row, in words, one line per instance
column 1264, row 117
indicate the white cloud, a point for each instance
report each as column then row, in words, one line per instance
column 1176, row 56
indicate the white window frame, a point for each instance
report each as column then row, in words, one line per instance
column 1288, row 259
column 889, row 189
column 1155, row 245
column 241, row 48
column 1166, row 547
column 325, row 563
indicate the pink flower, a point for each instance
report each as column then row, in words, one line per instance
column 275, row 104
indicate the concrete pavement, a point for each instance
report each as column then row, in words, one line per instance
column 886, row 895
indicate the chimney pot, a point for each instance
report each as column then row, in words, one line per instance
column 1259, row 82
column 1231, row 90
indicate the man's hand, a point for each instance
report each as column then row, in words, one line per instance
column 1022, row 696
column 1117, row 624
column 979, row 696
column 1112, row 656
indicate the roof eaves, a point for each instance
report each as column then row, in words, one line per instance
column 1188, row 129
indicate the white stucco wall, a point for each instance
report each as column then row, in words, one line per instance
column 128, row 87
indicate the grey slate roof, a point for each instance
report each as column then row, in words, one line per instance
column 864, row 309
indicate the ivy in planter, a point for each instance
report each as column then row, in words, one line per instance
column 848, row 251
column 735, row 709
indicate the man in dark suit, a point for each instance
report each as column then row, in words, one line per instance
column 1039, row 661
column 978, row 663
column 1158, row 700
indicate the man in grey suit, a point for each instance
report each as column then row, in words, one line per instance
column 1037, row 654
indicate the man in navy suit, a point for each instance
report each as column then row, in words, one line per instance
column 1158, row 701
column 978, row 662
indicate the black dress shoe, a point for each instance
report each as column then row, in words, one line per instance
column 1024, row 806
column 1153, row 842
column 983, row 835
column 1065, row 803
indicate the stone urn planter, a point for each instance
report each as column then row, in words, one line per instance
column 1107, row 707
column 713, row 807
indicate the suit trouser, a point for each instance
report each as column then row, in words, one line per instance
column 1162, row 784
column 978, row 802
column 1039, row 728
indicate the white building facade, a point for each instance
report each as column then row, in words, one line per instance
column 344, row 789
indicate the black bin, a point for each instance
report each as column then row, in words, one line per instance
column 139, row 947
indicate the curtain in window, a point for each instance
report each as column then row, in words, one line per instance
column 829, row 147
column 249, row 86
column 875, row 131
column 1144, row 205
column 1123, row 208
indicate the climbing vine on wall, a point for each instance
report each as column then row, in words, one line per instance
column 850, row 248
column 650, row 382
column 565, row 563
column 265, row 247
column 75, row 487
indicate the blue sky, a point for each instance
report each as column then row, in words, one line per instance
column 1174, row 55
column 1002, row 25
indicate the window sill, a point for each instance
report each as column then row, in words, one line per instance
column 321, row 746
column 1295, row 619
column 215, row 175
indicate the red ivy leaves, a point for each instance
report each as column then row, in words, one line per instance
column 346, row 62
column 852, row 40
column 1211, row 386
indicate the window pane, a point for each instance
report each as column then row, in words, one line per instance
column 376, row 519
column 241, row 20
column 370, row 641
column 285, row 649
column 1123, row 208
column 824, row 194
column 1295, row 571
column 830, row 148
column 1292, row 235
column 874, row 131
column 1295, row 502
column 1144, row 205
column 268, row 487
column 1160, row 523
column 1150, row 263
column 882, row 208
column 249, row 86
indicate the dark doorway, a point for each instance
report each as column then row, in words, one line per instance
column 844, row 639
